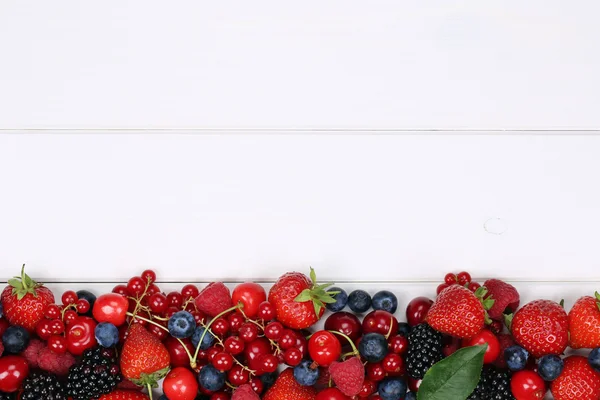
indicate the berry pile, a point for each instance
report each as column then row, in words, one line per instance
column 248, row 343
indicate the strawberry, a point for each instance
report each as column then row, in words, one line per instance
column 506, row 298
column 24, row 301
column 505, row 341
column 125, row 395
column 584, row 323
column 144, row 359
column 459, row 312
column 299, row 300
column 541, row 327
column 286, row 388
column 245, row 392
column 577, row 381
column 348, row 375
column 214, row 299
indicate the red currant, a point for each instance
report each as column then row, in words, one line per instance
column 69, row 297
column 238, row 376
column 473, row 286
column 441, row 287
column 369, row 387
column 175, row 299
column 158, row 303
column 463, row 278
column 234, row 345
column 269, row 363
column 200, row 317
column 171, row 311
column 393, row 364
column 287, row 339
column 160, row 333
column 236, row 320
column 52, row 311
column 266, row 311
column 248, row 332
column 121, row 289
column 398, row 344
column 148, row 276
column 220, row 327
column 83, row 306
column 222, row 361
column 189, row 291
column 57, row 344
column 273, row 330
column 375, row 371
column 257, row 385
column 292, row 357
column 152, row 289
column 69, row 316
column 136, row 286
column 450, row 279
column 211, row 353
column 57, row 327
column 43, row 329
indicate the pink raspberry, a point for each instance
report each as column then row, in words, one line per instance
column 504, row 295
column 245, row 392
column 348, row 375
column 214, row 299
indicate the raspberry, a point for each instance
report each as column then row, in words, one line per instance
column 214, row 299
column 506, row 341
column 58, row 364
column 125, row 395
column 32, row 352
column 504, row 295
column 245, row 392
column 348, row 375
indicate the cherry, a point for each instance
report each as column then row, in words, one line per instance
column 450, row 279
column 324, row 348
column 463, row 278
column 493, row 345
column 451, row 345
column 57, row 344
column 222, row 361
column 189, row 291
column 248, row 332
column 331, row 393
column 148, row 276
column 52, row 311
column 136, row 285
column 301, row 344
column 527, row 385
column 158, row 303
column 236, row 320
column 69, row 297
column 269, row 363
column 413, row 384
column 346, row 323
column 380, row 321
column 238, row 375
column 292, row 357
column 175, row 299
column 234, row 345
column 82, row 306
column 417, row 310
column 220, row 327
column 255, row 350
column 398, row 344
column 273, row 330
column 375, row 371
column 121, row 289
column 393, row 364
column 266, row 311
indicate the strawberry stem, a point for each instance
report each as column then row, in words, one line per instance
column 150, row 391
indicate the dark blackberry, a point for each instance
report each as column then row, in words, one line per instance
column 7, row 396
column 424, row 350
column 43, row 386
column 494, row 384
column 98, row 373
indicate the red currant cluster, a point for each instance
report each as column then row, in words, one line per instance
column 462, row 278
column 63, row 326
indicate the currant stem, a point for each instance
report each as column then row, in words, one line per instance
column 207, row 328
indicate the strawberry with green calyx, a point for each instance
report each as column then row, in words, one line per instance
column 459, row 312
column 24, row 301
column 286, row 387
column 300, row 300
column 584, row 323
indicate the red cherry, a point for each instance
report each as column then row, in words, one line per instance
column 189, row 291
column 179, row 357
column 398, row 344
column 52, row 311
column 292, row 357
column 527, row 385
column 121, row 289
column 234, row 345
column 267, row 311
column 273, row 330
column 380, row 321
column 463, row 278
column 222, row 361
column 148, row 276
column 158, row 303
column 417, row 310
column 331, row 393
column 269, row 363
column 83, row 306
column 346, row 323
column 251, row 295
column 324, row 348
column 57, row 344
column 69, row 297
column 375, row 371
column 220, row 327
column 450, row 278
column 248, row 332
column 181, row 384
column 493, row 349
column 238, row 376
column 175, row 299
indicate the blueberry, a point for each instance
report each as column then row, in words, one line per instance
column 182, row 325
column 392, row 389
column 89, row 296
column 403, row 329
column 304, row 374
column 15, row 339
column 268, row 380
column 210, row 378
column 359, row 301
column 550, row 367
column 163, row 397
column 373, row 347
column 594, row 359
column 107, row 334
column 411, row 396
column 516, row 357
column 341, row 299
column 386, row 301
column 207, row 341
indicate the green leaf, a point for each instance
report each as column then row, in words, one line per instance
column 327, row 300
column 305, row 295
column 313, row 275
column 454, row 377
column 318, row 305
column 488, row 303
column 562, row 303
column 15, row 282
column 508, row 320
column 597, row 295
column 325, row 285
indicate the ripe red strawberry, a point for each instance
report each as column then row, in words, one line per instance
column 348, row 375
column 299, row 300
column 506, row 298
column 578, row 381
column 125, row 395
column 541, row 327
column 24, row 301
column 214, row 299
column 584, row 323
column 506, row 341
column 144, row 359
column 244, row 392
column 286, row 388
column 458, row 312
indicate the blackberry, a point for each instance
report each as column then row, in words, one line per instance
column 42, row 386
column 424, row 350
column 494, row 384
column 98, row 373
column 7, row 396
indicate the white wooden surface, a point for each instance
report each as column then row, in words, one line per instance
column 349, row 64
